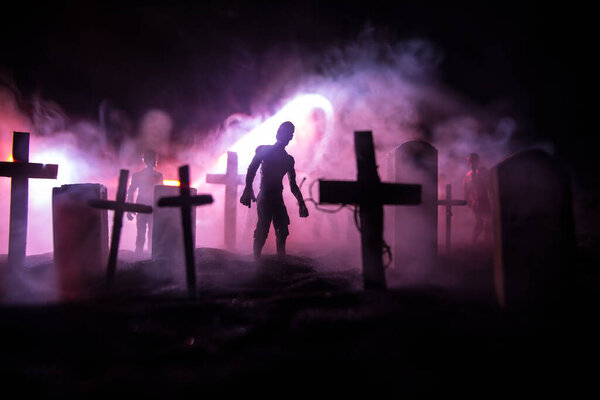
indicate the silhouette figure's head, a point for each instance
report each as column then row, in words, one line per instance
column 285, row 133
column 473, row 160
column 149, row 158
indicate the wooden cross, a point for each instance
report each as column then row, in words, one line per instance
column 370, row 195
column 231, row 180
column 20, row 171
column 449, row 202
column 120, row 207
column 185, row 202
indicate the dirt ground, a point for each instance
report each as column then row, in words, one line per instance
column 299, row 326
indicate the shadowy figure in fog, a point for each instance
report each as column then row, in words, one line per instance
column 276, row 162
column 144, row 181
column 476, row 191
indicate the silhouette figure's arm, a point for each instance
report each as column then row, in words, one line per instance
column 252, row 168
column 296, row 191
column 132, row 188
column 248, row 195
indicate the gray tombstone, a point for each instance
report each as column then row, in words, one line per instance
column 534, row 239
column 167, row 236
column 414, row 235
column 187, row 202
column 80, row 237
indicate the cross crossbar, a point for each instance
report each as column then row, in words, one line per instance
column 178, row 201
column 20, row 169
column 224, row 179
column 125, row 207
column 351, row 192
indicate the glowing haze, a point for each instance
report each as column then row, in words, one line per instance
column 390, row 89
column 298, row 109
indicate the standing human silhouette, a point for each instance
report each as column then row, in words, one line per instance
column 476, row 191
column 275, row 163
column 144, row 181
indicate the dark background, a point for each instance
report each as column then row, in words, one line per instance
column 186, row 57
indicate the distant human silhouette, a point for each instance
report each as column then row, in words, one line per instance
column 276, row 162
column 144, row 181
column 476, row 191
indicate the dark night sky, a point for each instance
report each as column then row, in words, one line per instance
column 180, row 55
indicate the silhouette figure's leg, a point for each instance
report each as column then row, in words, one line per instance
column 260, row 235
column 262, row 226
column 487, row 229
column 281, row 220
column 478, row 227
column 486, row 216
column 149, row 233
column 141, row 233
column 281, row 246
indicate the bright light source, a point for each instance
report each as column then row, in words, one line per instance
column 170, row 182
column 297, row 111
column 70, row 170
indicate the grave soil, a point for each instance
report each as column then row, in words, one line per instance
column 300, row 326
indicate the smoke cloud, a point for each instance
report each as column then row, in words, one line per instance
column 389, row 87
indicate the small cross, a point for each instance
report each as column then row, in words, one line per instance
column 370, row 195
column 231, row 180
column 20, row 171
column 185, row 202
column 120, row 207
column 449, row 202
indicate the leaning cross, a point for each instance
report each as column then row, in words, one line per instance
column 120, row 207
column 231, row 180
column 185, row 202
column 21, row 170
column 370, row 195
column 449, row 202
